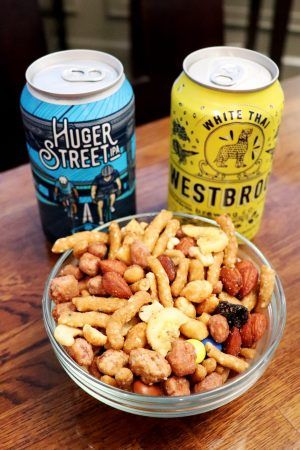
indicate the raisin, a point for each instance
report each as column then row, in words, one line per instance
column 236, row 315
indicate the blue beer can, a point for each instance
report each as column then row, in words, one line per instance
column 78, row 113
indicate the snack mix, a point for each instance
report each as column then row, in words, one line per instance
column 160, row 309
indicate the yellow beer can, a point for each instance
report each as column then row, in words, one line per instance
column 226, row 108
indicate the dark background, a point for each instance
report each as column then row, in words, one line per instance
column 151, row 37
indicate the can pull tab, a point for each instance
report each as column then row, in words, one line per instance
column 82, row 74
column 227, row 74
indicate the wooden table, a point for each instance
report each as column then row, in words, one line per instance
column 41, row 408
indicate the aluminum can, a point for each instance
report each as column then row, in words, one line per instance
column 78, row 113
column 226, row 108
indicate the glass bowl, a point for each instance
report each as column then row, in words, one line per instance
column 175, row 406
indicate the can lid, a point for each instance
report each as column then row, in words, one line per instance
column 74, row 73
column 230, row 69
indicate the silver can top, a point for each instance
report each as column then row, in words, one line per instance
column 230, row 69
column 74, row 73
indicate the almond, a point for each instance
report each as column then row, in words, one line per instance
column 231, row 279
column 259, row 325
column 246, row 333
column 115, row 285
column 233, row 343
column 112, row 265
column 185, row 244
column 253, row 329
column 139, row 254
column 249, row 275
column 168, row 266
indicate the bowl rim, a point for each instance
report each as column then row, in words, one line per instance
column 261, row 361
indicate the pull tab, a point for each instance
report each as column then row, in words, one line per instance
column 227, row 74
column 82, row 74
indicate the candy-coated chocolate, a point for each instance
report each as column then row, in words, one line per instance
column 213, row 342
column 199, row 349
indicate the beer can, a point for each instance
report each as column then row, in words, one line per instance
column 78, row 113
column 226, row 108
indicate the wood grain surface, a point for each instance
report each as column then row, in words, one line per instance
column 41, row 408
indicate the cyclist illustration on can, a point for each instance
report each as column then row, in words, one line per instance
column 66, row 194
column 106, row 187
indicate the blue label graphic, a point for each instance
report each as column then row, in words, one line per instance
column 83, row 160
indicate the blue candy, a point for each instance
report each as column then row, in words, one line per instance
column 209, row 339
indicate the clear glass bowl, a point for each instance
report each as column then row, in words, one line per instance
column 175, row 406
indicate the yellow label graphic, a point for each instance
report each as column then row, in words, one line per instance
column 222, row 147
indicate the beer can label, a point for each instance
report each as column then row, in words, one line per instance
column 222, row 147
column 82, row 158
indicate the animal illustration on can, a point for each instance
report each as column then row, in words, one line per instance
column 226, row 108
column 235, row 151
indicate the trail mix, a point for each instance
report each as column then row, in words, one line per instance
column 163, row 308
